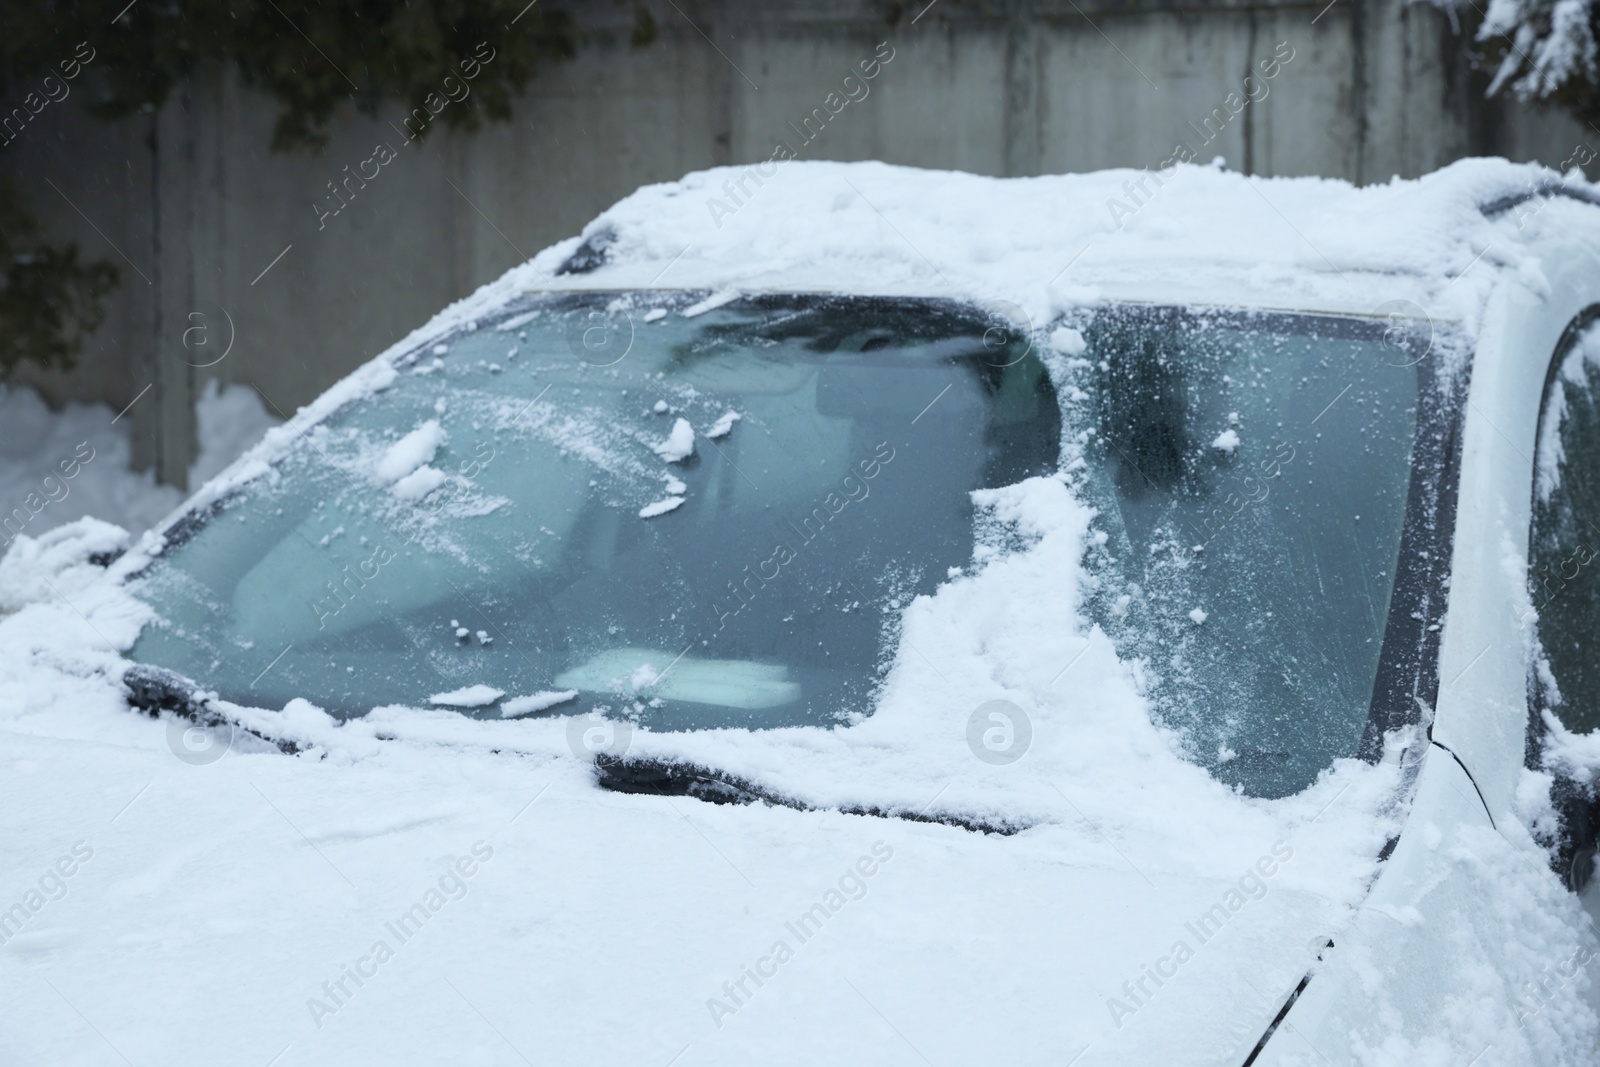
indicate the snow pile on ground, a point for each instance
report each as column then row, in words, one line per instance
column 58, row 466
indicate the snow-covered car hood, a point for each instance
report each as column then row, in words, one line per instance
column 1134, row 906
column 1145, row 913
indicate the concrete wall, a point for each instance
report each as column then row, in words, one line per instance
column 192, row 206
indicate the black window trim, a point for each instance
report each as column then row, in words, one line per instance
column 1406, row 689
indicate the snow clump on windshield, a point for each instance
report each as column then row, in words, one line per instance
column 472, row 696
column 679, row 444
column 411, row 451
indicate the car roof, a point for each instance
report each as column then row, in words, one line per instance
column 1192, row 234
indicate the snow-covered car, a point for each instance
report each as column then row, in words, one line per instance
column 841, row 612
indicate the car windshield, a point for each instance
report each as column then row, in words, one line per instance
column 693, row 516
column 711, row 514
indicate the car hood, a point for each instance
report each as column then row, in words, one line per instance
column 598, row 925
column 414, row 883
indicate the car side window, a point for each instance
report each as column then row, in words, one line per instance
column 1564, row 543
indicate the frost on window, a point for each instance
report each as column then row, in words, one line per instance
column 1252, row 477
column 710, row 522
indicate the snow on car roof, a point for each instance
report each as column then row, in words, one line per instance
column 1046, row 242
